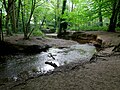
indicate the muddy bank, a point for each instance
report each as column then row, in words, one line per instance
column 100, row 39
column 16, row 44
column 7, row 48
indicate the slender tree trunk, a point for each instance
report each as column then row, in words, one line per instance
column 55, row 26
column 113, row 19
column 118, row 24
column 28, row 23
column 13, row 16
column 1, row 32
column 7, row 8
column 62, row 25
column 64, row 6
column 72, row 6
column 23, row 20
column 35, row 21
column 100, row 14
column 8, row 32
column 57, row 15
column 18, row 14
column 43, row 20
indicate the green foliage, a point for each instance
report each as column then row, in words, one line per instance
column 89, row 28
column 118, row 28
column 80, row 14
column 38, row 33
column 94, row 28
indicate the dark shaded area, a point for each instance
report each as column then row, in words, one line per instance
column 35, row 49
column 114, row 16
column 63, row 27
column 117, row 48
column 7, row 48
column 52, row 64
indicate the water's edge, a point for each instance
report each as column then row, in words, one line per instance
column 19, row 67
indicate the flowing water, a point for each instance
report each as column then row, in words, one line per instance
column 14, row 65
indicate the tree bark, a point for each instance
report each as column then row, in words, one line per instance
column 100, row 14
column 64, row 6
column 28, row 23
column 113, row 19
column 63, row 24
column 118, row 24
column 43, row 20
column 7, row 8
column 72, row 6
column 1, row 32
column 13, row 16
column 23, row 20
column 18, row 14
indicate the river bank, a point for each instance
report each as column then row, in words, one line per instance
column 100, row 73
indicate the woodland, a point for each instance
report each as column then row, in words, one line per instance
column 33, row 17
column 59, row 44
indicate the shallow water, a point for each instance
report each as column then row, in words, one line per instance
column 14, row 65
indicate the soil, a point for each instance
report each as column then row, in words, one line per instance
column 101, row 73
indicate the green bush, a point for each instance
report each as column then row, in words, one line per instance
column 89, row 28
column 38, row 33
column 118, row 29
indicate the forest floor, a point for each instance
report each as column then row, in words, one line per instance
column 103, row 73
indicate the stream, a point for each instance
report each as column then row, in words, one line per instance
column 23, row 66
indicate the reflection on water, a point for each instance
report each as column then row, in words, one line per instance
column 14, row 65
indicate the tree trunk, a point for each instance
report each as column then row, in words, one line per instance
column 31, row 13
column 18, row 14
column 55, row 26
column 118, row 24
column 13, row 16
column 1, row 32
column 27, row 25
column 57, row 15
column 113, row 19
column 64, row 6
column 7, row 8
column 63, row 24
column 23, row 21
column 43, row 20
column 35, row 21
column 100, row 14
column 72, row 6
